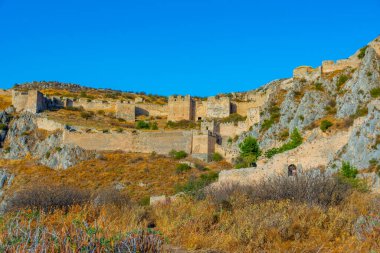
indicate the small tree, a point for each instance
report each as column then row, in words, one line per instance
column 249, row 150
column 348, row 171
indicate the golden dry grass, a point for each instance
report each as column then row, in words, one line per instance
column 5, row 101
column 142, row 175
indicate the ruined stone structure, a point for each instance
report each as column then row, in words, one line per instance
column 331, row 66
column 306, row 72
column 203, row 145
column 218, row 107
column 125, row 111
column 181, row 108
column 31, row 101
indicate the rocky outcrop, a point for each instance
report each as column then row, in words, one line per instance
column 6, row 179
column 363, row 147
column 24, row 138
column 357, row 89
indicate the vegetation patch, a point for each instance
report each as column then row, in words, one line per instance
column 375, row 92
column 325, row 124
column 295, row 141
column 362, row 52
column 249, row 152
column 177, row 154
column 182, row 167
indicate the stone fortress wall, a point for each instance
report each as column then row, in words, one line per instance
column 181, row 108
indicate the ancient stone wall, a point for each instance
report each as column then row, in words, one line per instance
column 31, row 101
column 138, row 141
column 331, row 66
column 218, row 107
column 181, row 108
column 306, row 72
column 125, row 111
column 243, row 107
column 253, row 116
column 95, row 105
column 49, row 125
column 200, row 110
column 203, row 145
column 152, row 110
column 231, row 129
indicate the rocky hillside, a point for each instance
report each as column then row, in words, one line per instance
column 326, row 104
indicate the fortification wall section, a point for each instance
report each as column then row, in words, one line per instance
column 144, row 142
column 243, row 107
column 306, row 72
column 331, row 66
column 231, row 129
column 5, row 92
column 95, row 105
column 253, row 116
column 152, row 110
column 125, row 111
column 181, row 108
column 218, row 107
column 19, row 100
column 203, row 145
column 200, row 110
column 49, row 125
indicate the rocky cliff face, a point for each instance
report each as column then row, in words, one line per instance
column 25, row 139
column 339, row 96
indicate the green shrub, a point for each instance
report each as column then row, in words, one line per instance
column 86, row 115
column 154, row 126
column 177, row 154
column 361, row 112
column 216, row 157
column 195, row 185
column 275, row 115
column 249, row 152
column 342, row 79
column 375, row 93
column 142, row 125
column 348, row 174
column 325, row 124
column 362, row 52
column 3, row 127
column 348, row 171
column 182, row 167
column 295, row 141
column 319, row 86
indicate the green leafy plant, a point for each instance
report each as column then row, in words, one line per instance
column 142, row 125
column 249, row 152
column 295, row 140
column 341, row 80
column 362, row 52
column 216, row 157
column 326, row 124
column 182, row 167
column 375, row 92
column 177, row 154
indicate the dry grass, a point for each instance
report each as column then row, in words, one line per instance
column 98, row 121
column 5, row 101
column 141, row 175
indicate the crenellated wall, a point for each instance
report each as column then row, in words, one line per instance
column 231, row 129
column 181, row 108
column 306, row 72
column 331, row 66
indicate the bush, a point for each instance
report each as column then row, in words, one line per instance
column 341, row 80
column 48, row 198
column 111, row 196
column 195, row 185
column 312, row 187
column 295, row 141
column 182, row 167
column 319, row 86
column 3, row 127
column 325, row 124
column 86, row 115
column 348, row 175
column 142, row 125
column 362, row 52
column 154, row 126
column 177, row 154
column 361, row 112
column 348, row 171
column 375, row 93
column 216, row 157
column 249, row 152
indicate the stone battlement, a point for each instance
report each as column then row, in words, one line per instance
column 331, row 66
column 306, row 72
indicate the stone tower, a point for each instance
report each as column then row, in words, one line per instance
column 181, row 108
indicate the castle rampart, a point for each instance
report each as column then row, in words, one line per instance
column 218, row 107
column 181, row 108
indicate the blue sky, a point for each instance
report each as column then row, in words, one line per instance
column 198, row 47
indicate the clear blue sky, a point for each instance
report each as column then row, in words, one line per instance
column 198, row 47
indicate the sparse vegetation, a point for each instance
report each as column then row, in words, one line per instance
column 178, row 154
column 362, row 52
column 216, row 157
column 182, row 124
column 182, row 167
column 375, row 92
column 341, row 80
column 295, row 141
column 249, row 152
column 234, row 117
column 325, row 124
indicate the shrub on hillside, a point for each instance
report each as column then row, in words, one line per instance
column 295, row 141
column 312, row 187
column 348, row 174
column 86, row 115
column 142, row 125
column 182, row 167
column 362, row 52
column 325, row 124
column 177, row 154
column 216, row 157
column 48, row 198
column 249, row 152
column 341, row 80
column 375, row 93
column 195, row 185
